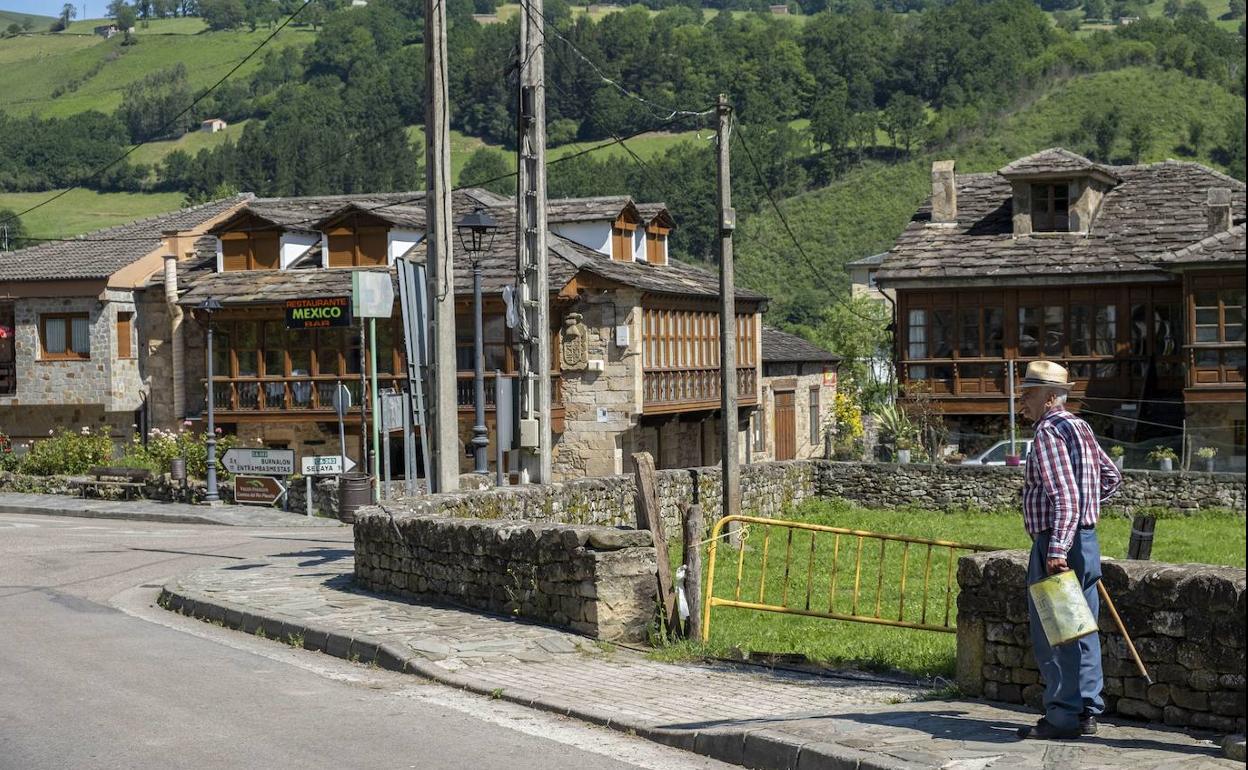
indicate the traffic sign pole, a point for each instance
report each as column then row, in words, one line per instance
column 372, row 370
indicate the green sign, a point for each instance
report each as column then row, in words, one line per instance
column 319, row 313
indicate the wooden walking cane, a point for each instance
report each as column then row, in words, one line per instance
column 1113, row 612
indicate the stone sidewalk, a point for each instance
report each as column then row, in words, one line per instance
column 751, row 716
column 153, row 510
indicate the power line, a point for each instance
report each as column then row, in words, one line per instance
column 172, row 120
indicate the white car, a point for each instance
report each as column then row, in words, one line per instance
column 995, row 454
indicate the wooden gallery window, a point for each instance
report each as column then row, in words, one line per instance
column 622, row 238
column 1217, row 312
column 362, row 246
column 125, row 325
column 250, row 251
column 1050, row 208
column 65, row 337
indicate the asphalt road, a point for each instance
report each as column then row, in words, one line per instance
column 94, row 675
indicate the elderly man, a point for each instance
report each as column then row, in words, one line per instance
column 1066, row 478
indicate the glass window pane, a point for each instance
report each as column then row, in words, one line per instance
column 1053, row 331
column 1207, row 334
column 246, row 335
column 328, row 343
column 1080, row 330
column 274, row 362
column 942, row 334
column 997, row 454
column 300, row 363
column 1207, row 315
column 1207, row 358
column 1206, row 298
column 54, row 335
column 968, row 339
column 1106, row 329
column 1233, row 359
column 918, row 334
column 221, row 351
column 1168, row 328
column 1029, row 331
column 80, row 336
column 247, row 360
column 994, row 331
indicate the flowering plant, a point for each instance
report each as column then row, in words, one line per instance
column 68, row 452
column 165, row 445
column 8, row 460
column 1207, row 452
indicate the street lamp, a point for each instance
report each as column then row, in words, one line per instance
column 476, row 235
column 208, row 307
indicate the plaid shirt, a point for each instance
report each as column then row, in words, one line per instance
column 1066, row 466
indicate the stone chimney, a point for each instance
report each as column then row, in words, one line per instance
column 944, row 193
column 1218, row 210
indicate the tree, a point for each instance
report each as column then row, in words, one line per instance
column 222, row 14
column 1195, row 135
column 68, row 14
column 489, row 169
column 1103, row 130
column 14, row 29
column 1139, row 138
column 856, row 329
column 1172, row 8
column 904, row 119
column 125, row 18
column 156, row 106
column 830, row 118
column 1236, row 9
column 12, row 231
column 1095, row 9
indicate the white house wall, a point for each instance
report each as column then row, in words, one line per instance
column 593, row 235
column 402, row 240
column 294, row 245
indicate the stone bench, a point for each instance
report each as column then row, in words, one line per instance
column 128, row 480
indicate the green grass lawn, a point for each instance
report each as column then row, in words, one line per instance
column 35, row 66
column 191, row 143
column 1213, row 537
column 189, row 25
column 83, row 210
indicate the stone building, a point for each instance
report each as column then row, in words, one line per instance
column 1132, row 277
column 73, row 347
column 799, row 393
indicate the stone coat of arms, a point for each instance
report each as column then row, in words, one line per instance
column 574, row 343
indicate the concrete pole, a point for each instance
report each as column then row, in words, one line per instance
column 376, row 407
column 729, row 461
column 531, row 267
column 210, row 443
column 444, row 433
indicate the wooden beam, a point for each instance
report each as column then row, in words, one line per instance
column 649, row 517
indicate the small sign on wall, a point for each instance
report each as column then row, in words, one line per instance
column 318, row 313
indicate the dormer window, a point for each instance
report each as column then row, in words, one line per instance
column 622, row 238
column 362, row 246
column 250, row 250
column 1050, row 207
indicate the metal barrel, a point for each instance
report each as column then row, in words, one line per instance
column 355, row 491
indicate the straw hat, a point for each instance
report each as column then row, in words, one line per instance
column 1046, row 374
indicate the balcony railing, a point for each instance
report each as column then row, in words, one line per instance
column 464, row 390
column 947, row 377
column 675, row 390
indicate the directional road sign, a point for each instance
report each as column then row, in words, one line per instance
column 325, row 465
column 264, row 462
column 258, row 490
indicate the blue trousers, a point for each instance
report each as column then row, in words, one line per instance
column 1073, row 679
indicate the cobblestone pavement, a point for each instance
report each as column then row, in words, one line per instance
column 153, row 510
column 751, row 716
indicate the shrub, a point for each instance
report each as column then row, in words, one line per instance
column 8, row 460
column 1160, row 453
column 1207, row 452
column 1117, row 450
column 164, row 445
column 68, row 452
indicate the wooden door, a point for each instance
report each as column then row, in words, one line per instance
column 786, row 426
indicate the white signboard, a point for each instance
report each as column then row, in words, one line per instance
column 325, row 465
column 372, row 294
column 260, row 462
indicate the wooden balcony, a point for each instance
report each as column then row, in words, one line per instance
column 1215, row 372
column 689, row 390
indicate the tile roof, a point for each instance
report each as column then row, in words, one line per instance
column 567, row 258
column 1156, row 208
column 586, row 209
column 101, row 253
column 782, row 347
column 1220, row 248
column 1055, row 160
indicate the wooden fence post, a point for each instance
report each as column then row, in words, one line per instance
column 650, row 517
column 692, row 559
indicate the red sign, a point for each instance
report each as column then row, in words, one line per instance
column 257, row 490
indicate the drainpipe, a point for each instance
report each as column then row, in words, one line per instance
column 175, row 335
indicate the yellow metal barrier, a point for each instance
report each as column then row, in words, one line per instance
column 858, row 541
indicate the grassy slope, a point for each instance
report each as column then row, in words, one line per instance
column 81, row 211
column 190, row 143
column 1216, row 538
column 863, row 212
column 17, row 17
column 35, row 65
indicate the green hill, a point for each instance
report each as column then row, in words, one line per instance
column 59, row 74
column 862, row 212
column 38, row 23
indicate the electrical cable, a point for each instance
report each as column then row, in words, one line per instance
column 171, row 121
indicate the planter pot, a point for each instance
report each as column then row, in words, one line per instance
column 903, row 456
column 1209, row 465
column 1013, row 461
column 1166, row 464
column 1118, row 462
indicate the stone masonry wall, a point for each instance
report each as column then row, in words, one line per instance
column 596, row 581
column 1186, row 620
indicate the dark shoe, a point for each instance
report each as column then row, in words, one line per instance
column 1044, row 731
column 1087, row 725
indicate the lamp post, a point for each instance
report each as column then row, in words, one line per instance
column 476, row 234
column 208, row 307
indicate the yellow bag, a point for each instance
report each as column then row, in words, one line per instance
column 1063, row 610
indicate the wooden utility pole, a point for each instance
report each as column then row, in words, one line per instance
column 445, row 417
column 727, row 320
column 533, row 347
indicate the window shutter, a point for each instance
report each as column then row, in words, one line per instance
column 341, row 247
column 266, row 252
column 124, row 324
column 373, row 245
column 235, row 251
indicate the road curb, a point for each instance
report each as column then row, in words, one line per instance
column 104, row 513
column 760, row 748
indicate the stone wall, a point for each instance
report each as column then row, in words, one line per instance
column 596, row 581
column 885, row 485
column 1187, row 622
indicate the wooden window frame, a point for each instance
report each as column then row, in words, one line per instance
column 812, row 409
column 254, row 243
column 125, row 331
column 69, row 353
column 1045, row 221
